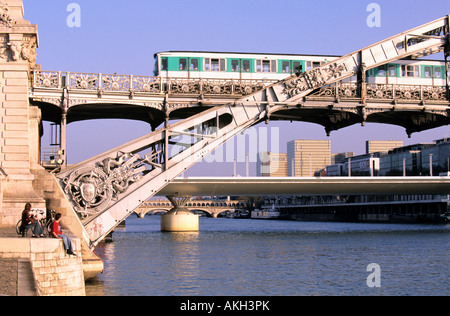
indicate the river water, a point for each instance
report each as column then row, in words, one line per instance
column 243, row 257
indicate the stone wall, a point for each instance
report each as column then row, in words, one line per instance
column 55, row 272
column 19, row 122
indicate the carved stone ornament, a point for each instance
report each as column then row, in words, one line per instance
column 19, row 50
column 93, row 189
column 5, row 17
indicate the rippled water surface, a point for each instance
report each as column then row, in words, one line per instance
column 258, row 257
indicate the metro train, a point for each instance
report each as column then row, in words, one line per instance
column 241, row 66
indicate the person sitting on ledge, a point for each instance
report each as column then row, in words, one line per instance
column 28, row 221
column 56, row 232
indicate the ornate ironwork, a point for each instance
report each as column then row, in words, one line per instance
column 314, row 78
column 125, row 83
column 93, row 188
column 116, row 83
column 382, row 92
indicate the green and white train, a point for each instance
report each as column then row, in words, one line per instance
column 242, row 66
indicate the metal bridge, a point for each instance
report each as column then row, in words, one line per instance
column 106, row 189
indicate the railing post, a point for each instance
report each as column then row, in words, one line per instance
column 34, row 79
column 100, row 83
column 394, row 92
column 131, row 83
column 68, row 79
column 59, row 80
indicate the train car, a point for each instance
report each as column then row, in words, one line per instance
column 253, row 66
column 409, row 72
column 215, row 65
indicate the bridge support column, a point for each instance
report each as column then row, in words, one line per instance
column 179, row 219
column 20, row 122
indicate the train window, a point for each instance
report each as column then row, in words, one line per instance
column 235, row 65
column 246, row 65
column 410, row 71
column 183, row 63
column 266, row 65
column 392, row 72
column 214, row 64
column 240, row 65
column 381, row 71
column 164, row 64
column 312, row 64
column 437, row 72
column 194, row 64
column 427, row 72
column 296, row 65
column 285, row 66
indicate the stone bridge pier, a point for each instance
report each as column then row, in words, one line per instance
column 19, row 122
column 180, row 218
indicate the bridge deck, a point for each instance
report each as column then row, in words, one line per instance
column 311, row 186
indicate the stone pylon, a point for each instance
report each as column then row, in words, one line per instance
column 20, row 123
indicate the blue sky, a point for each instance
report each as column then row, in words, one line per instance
column 122, row 36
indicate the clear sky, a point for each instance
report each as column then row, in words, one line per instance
column 122, row 36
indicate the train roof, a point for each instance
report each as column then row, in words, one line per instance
column 270, row 54
column 244, row 53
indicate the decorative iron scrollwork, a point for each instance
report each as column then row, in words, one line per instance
column 93, row 189
column 314, row 78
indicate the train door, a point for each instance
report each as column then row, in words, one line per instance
column 434, row 74
column 241, row 66
column 437, row 76
column 290, row 67
column 189, row 64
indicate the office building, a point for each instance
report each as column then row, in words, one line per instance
column 305, row 157
column 341, row 157
column 271, row 164
column 375, row 146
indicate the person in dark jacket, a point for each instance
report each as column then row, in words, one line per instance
column 28, row 221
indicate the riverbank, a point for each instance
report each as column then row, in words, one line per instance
column 39, row 266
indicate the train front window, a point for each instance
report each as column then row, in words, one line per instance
column 164, row 64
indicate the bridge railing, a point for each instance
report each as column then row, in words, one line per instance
column 382, row 92
column 145, row 84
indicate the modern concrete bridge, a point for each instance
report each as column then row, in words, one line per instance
column 307, row 186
